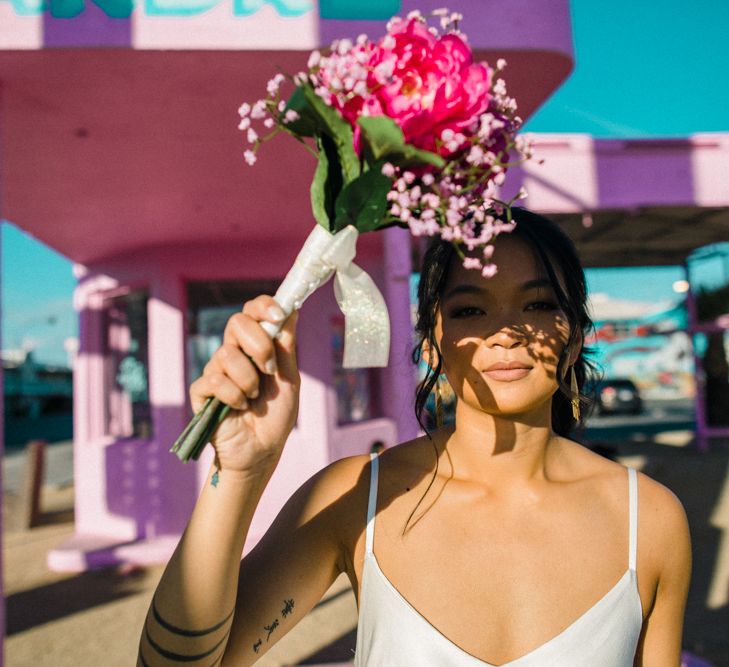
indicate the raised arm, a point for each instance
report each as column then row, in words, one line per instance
column 194, row 607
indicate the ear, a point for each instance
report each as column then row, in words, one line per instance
column 430, row 356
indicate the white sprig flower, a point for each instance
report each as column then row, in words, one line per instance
column 314, row 59
column 259, row 110
column 388, row 170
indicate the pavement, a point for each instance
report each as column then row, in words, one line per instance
column 95, row 618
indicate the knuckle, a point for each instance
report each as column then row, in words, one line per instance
column 258, row 304
column 236, row 322
column 211, row 367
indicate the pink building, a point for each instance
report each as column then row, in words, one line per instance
column 128, row 161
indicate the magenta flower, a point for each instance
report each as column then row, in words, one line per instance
column 425, row 83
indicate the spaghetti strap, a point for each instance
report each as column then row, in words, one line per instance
column 371, row 504
column 633, row 506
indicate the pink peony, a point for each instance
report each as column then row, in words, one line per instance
column 426, row 84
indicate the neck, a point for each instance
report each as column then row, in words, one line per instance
column 503, row 450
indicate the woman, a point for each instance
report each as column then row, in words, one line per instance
column 495, row 541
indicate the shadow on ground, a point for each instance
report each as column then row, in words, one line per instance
column 44, row 604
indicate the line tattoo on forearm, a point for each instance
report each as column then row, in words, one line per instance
column 180, row 657
column 183, row 631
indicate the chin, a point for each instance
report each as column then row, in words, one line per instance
column 511, row 404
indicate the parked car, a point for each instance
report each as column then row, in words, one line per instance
column 618, row 396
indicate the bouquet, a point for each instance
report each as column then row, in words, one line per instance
column 408, row 130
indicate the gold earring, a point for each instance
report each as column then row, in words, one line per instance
column 438, row 404
column 575, row 390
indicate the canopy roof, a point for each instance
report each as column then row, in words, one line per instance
column 108, row 150
column 650, row 236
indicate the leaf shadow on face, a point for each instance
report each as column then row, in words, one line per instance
column 544, row 348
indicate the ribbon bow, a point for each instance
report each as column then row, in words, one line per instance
column 366, row 321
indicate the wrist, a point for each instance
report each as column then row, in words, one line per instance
column 253, row 473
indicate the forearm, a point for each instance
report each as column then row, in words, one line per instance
column 190, row 614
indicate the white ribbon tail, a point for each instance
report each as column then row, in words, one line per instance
column 366, row 321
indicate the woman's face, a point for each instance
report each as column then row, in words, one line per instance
column 502, row 337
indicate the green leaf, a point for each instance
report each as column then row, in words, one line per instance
column 363, row 202
column 419, row 157
column 327, row 182
column 383, row 140
column 330, row 122
column 307, row 122
column 381, row 136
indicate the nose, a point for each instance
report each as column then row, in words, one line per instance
column 505, row 337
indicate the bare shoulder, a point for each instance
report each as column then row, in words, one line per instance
column 341, row 486
column 663, row 530
column 664, row 526
column 349, row 478
column 660, row 509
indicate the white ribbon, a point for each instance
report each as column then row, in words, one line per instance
column 366, row 321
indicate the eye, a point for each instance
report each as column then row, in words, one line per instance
column 542, row 305
column 466, row 311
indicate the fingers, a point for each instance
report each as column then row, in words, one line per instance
column 219, row 386
column 233, row 373
column 244, row 331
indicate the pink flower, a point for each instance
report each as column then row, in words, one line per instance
column 427, row 84
column 259, row 110
column 388, row 170
column 435, row 85
column 489, row 271
column 250, row 157
column 472, row 263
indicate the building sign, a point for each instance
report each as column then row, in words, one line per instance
column 330, row 9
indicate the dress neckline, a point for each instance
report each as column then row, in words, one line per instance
column 628, row 575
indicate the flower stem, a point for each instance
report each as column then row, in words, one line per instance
column 197, row 433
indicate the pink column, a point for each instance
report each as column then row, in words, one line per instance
column 399, row 378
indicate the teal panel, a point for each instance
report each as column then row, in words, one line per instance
column 372, row 10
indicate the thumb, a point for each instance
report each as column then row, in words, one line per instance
column 286, row 348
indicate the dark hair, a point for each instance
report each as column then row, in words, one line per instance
column 555, row 251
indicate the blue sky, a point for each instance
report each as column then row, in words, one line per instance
column 642, row 69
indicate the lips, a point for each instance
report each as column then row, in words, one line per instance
column 508, row 371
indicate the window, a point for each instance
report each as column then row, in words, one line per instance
column 126, row 371
column 209, row 305
column 353, row 386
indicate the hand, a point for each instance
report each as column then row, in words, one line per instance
column 259, row 379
